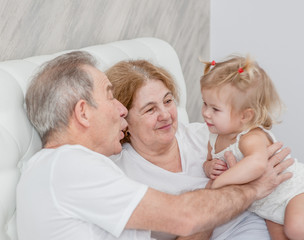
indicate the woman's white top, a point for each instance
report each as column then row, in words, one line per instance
column 192, row 142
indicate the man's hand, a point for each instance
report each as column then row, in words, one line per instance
column 273, row 175
column 209, row 184
column 214, row 167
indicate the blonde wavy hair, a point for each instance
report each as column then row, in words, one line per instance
column 247, row 77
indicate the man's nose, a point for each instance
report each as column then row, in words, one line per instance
column 122, row 109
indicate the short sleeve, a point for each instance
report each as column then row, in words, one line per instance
column 90, row 187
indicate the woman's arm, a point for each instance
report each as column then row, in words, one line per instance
column 253, row 145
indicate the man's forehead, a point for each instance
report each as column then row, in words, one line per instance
column 97, row 75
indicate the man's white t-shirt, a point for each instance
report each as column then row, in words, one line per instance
column 192, row 142
column 73, row 193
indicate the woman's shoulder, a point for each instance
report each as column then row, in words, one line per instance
column 128, row 158
column 196, row 133
column 194, row 127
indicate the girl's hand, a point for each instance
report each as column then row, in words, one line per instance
column 230, row 159
column 214, row 168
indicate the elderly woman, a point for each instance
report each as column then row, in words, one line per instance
column 159, row 151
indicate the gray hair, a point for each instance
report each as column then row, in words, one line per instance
column 55, row 90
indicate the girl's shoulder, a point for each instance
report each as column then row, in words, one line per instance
column 255, row 131
column 254, row 136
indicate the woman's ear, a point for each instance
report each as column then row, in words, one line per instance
column 82, row 112
column 247, row 115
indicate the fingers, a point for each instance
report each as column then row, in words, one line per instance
column 274, row 174
column 230, row 158
column 279, row 156
column 284, row 176
column 213, row 177
column 209, row 184
column 273, row 148
column 220, row 166
column 215, row 174
column 281, row 167
column 213, row 168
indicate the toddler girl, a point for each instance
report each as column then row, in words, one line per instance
column 240, row 106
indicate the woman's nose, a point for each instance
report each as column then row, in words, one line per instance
column 163, row 114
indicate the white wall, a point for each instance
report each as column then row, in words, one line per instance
column 272, row 32
column 31, row 27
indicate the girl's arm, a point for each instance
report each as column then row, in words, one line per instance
column 253, row 145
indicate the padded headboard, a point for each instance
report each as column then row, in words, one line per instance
column 18, row 139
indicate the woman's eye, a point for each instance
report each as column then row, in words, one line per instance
column 168, row 100
column 149, row 110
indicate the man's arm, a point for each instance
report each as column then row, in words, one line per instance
column 191, row 212
column 198, row 236
column 205, row 209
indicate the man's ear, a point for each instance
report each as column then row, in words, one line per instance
column 82, row 113
column 247, row 115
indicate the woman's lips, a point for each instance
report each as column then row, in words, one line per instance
column 165, row 127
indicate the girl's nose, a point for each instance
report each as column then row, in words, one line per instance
column 205, row 112
column 122, row 109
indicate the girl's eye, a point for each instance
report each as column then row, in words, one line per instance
column 216, row 110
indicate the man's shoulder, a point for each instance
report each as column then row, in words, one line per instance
column 78, row 157
column 77, row 150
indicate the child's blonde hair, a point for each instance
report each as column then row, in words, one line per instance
column 248, row 77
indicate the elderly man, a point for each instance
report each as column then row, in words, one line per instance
column 71, row 189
